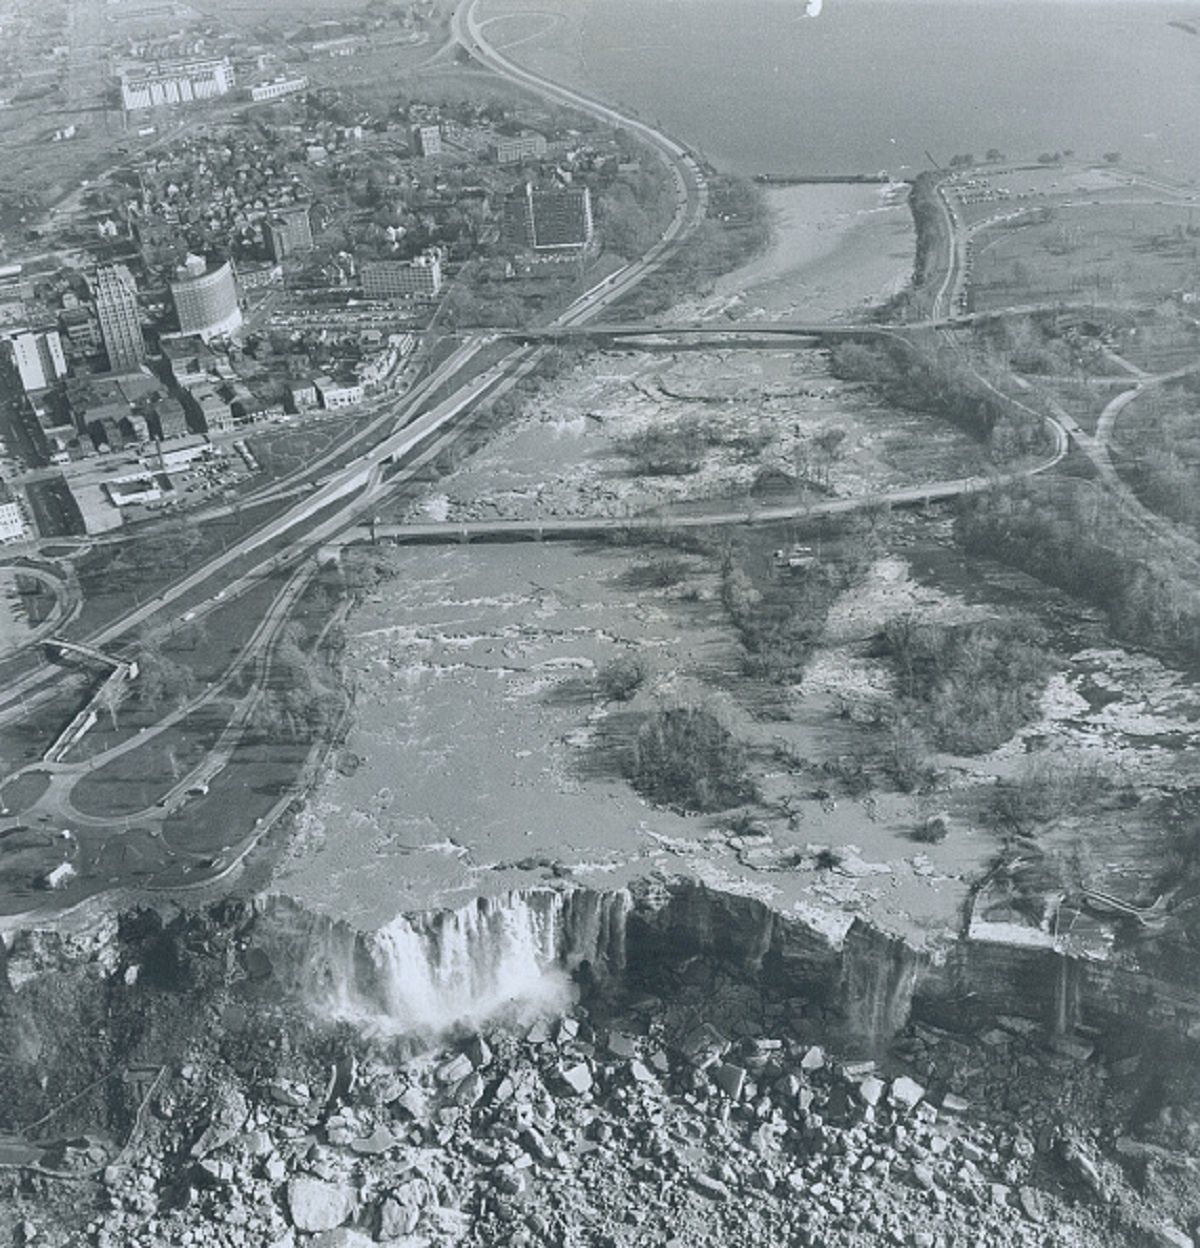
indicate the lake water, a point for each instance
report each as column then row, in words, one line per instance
column 875, row 84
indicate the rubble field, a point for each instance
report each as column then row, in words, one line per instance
column 699, row 1102
column 740, row 424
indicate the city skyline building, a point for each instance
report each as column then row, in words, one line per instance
column 549, row 220
column 417, row 279
column 289, row 232
column 115, row 293
column 511, row 149
column 206, row 298
column 427, row 140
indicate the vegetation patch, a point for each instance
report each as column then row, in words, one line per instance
column 780, row 622
column 933, row 241
column 1159, row 447
column 736, row 227
column 685, row 757
column 300, row 699
column 670, row 452
column 1046, row 789
column 657, row 574
column 972, row 686
column 621, row 678
column 943, row 383
column 1069, row 538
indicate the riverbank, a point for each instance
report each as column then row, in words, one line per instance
column 837, row 250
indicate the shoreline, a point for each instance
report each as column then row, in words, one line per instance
column 835, row 249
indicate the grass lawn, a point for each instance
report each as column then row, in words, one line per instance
column 138, row 778
column 1107, row 252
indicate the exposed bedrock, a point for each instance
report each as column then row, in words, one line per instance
column 532, row 950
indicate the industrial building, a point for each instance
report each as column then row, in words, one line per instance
column 174, row 82
column 335, row 394
column 277, row 88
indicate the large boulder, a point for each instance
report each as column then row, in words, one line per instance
column 576, row 1080
column 342, row 1237
column 395, row 1220
column 316, row 1205
column 906, row 1092
column 227, row 1117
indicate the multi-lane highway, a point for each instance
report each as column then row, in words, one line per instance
column 341, row 499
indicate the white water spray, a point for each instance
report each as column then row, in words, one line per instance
column 507, row 957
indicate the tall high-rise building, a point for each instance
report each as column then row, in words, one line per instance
column 549, row 220
column 427, row 140
column 115, row 293
column 206, row 298
column 39, row 359
column 289, row 231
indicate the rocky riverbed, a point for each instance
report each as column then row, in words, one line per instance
column 694, row 1109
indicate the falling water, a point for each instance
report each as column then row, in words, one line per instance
column 510, row 955
column 879, row 976
column 1066, row 996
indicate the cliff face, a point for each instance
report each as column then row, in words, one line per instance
column 529, row 951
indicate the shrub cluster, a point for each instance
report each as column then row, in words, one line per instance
column 942, row 383
column 670, row 452
column 621, row 678
column 1070, row 538
column 971, row 685
column 1046, row 789
column 685, row 757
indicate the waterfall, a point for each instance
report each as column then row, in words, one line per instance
column 879, row 977
column 510, row 955
column 1066, row 996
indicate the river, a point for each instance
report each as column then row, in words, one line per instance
column 876, row 84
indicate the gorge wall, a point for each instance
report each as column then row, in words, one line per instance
column 532, row 950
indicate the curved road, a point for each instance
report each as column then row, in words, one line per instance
column 691, row 187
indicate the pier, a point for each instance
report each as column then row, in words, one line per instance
column 805, row 179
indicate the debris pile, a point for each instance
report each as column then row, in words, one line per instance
column 710, row 1114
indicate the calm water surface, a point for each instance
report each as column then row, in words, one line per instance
column 875, row 84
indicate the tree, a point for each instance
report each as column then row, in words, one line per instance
column 110, row 698
column 625, row 225
column 685, row 757
column 160, row 678
column 621, row 678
